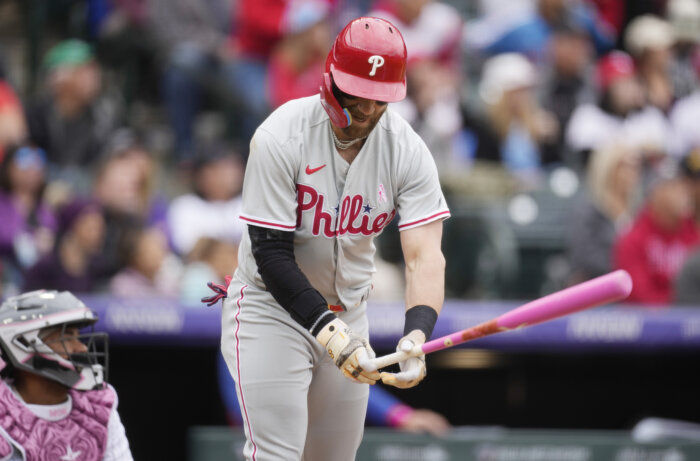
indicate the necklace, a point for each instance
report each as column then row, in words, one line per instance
column 343, row 145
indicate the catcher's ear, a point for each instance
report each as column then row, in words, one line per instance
column 339, row 116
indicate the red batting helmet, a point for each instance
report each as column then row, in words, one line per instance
column 367, row 60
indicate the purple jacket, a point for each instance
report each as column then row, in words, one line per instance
column 14, row 224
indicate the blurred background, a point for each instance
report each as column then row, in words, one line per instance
column 567, row 137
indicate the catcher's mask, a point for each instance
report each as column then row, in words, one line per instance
column 40, row 332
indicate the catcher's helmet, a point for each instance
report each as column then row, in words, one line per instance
column 367, row 60
column 25, row 320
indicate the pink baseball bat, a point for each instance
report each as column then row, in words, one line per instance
column 607, row 288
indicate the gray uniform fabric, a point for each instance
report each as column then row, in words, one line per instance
column 295, row 402
column 393, row 173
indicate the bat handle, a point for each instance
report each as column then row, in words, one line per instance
column 396, row 357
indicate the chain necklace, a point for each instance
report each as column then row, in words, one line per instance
column 343, row 145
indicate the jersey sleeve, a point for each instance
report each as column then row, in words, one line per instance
column 117, row 443
column 269, row 187
column 420, row 199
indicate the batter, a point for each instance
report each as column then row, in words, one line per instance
column 325, row 175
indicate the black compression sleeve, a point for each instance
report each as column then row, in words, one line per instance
column 273, row 251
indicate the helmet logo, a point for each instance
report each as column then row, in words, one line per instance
column 376, row 61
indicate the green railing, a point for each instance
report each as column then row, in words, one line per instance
column 471, row 444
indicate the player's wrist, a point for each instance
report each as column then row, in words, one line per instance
column 332, row 328
column 420, row 317
column 310, row 310
column 321, row 322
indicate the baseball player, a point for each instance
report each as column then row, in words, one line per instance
column 325, row 175
column 54, row 401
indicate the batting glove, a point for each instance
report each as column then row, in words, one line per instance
column 412, row 369
column 351, row 353
column 220, row 291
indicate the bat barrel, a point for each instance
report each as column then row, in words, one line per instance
column 608, row 288
column 600, row 290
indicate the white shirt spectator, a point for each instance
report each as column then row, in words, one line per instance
column 590, row 128
column 190, row 217
column 434, row 34
column 684, row 119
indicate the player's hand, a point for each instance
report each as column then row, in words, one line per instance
column 425, row 421
column 351, row 353
column 413, row 368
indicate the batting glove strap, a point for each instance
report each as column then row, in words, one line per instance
column 348, row 351
column 220, row 291
column 335, row 337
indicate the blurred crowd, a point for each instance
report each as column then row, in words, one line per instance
column 123, row 144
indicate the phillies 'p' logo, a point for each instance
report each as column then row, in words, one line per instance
column 376, row 61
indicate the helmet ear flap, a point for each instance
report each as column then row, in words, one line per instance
column 338, row 115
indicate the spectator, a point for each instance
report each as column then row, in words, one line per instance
column 150, row 269
column 604, row 212
column 567, row 82
column 212, row 209
column 432, row 32
column 59, row 406
column 663, row 234
column 431, row 29
column 299, row 58
column 684, row 18
column 683, row 118
column 125, row 45
column 492, row 19
column 28, row 223
column 433, row 107
column 73, row 263
column 526, row 131
column 13, row 128
column 620, row 112
column 690, row 167
column 259, row 25
column 209, row 260
column 686, row 287
column 126, row 180
column 531, row 35
column 612, row 12
column 73, row 120
column 193, row 37
column 649, row 39
column 126, row 189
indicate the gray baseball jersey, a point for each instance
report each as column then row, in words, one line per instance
column 295, row 402
column 296, row 181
